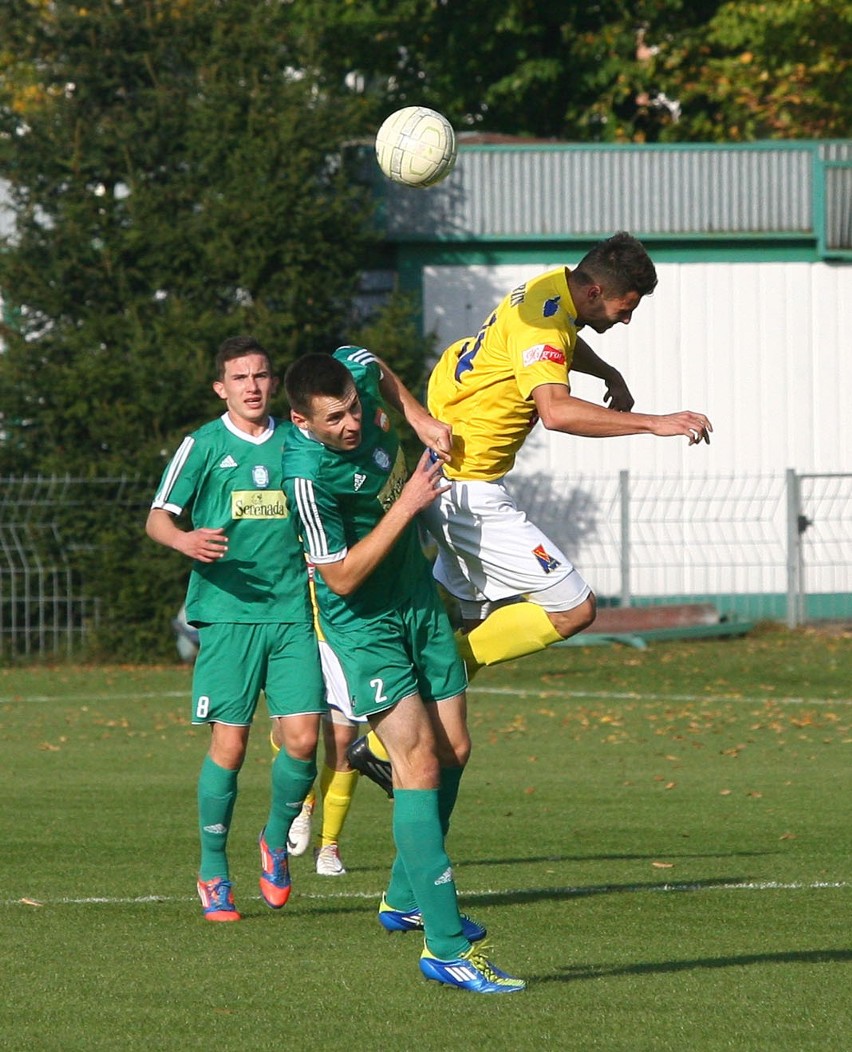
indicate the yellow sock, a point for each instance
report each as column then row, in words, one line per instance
column 336, row 789
column 509, row 632
column 376, row 748
column 466, row 654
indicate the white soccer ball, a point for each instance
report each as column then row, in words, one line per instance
column 416, row 146
column 186, row 637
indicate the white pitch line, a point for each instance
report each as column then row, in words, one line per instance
column 92, row 699
column 568, row 892
column 602, row 695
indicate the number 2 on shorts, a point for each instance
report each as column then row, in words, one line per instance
column 378, row 686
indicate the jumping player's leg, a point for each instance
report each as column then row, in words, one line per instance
column 517, row 591
column 522, row 628
column 452, row 954
column 449, row 725
column 407, row 734
column 448, row 720
column 409, row 657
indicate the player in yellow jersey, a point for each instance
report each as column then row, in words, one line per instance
column 491, row 390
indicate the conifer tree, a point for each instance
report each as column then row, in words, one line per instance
column 176, row 179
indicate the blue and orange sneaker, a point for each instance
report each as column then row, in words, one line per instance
column 275, row 874
column 471, row 970
column 217, row 898
column 412, row 920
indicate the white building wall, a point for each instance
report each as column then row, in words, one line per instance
column 763, row 348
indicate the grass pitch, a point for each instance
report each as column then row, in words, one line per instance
column 658, row 841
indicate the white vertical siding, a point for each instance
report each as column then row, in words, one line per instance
column 764, row 349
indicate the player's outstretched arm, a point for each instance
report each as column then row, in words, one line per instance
column 205, row 545
column 617, row 393
column 434, row 434
column 347, row 574
column 561, row 411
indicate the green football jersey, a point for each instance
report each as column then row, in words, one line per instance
column 233, row 480
column 340, row 495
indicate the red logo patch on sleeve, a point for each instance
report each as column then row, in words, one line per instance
column 543, row 352
column 553, row 354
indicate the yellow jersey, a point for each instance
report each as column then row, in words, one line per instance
column 482, row 386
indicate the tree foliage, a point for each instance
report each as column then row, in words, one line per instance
column 176, row 179
column 610, row 71
column 764, row 70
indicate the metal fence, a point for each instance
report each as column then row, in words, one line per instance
column 820, row 541
column 46, row 524
column 773, row 547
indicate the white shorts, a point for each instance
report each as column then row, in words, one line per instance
column 336, row 690
column 490, row 553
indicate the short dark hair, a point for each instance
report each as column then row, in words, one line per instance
column 238, row 347
column 619, row 265
column 315, row 375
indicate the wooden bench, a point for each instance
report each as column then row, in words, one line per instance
column 636, row 626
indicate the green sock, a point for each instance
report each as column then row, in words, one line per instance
column 400, row 894
column 291, row 782
column 420, row 846
column 217, row 793
column 448, row 792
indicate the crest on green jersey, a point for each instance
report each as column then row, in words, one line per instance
column 381, row 458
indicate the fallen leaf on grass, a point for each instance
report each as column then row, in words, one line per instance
column 787, row 836
column 30, row 902
column 663, row 865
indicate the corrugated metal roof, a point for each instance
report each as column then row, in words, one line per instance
column 559, row 191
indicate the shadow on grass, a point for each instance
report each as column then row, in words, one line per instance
column 311, row 901
column 460, row 861
column 520, row 895
column 606, row 971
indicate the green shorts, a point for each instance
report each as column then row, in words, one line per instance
column 236, row 662
column 401, row 653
